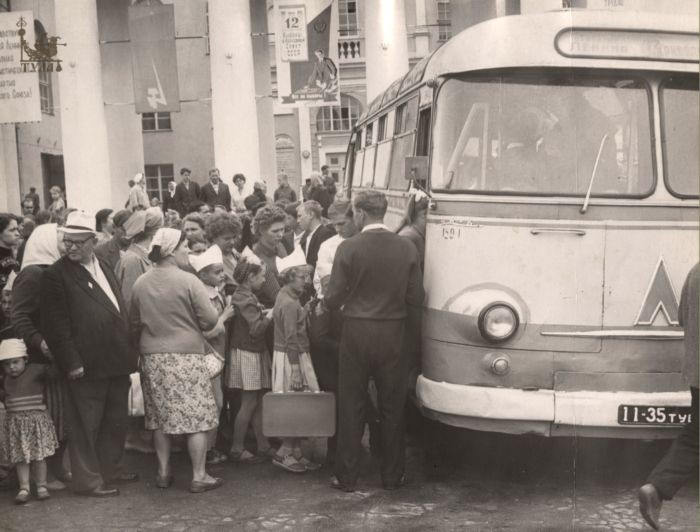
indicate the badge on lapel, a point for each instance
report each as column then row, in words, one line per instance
column 90, row 285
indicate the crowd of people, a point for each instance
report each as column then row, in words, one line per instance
column 203, row 304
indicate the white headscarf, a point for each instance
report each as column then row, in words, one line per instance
column 42, row 246
column 168, row 239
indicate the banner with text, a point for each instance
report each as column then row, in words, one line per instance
column 19, row 81
column 306, row 51
column 154, row 58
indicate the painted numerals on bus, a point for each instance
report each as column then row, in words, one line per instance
column 451, row 232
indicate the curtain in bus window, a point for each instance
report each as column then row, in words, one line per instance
column 368, row 166
column 545, row 135
column 381, row 167
column 403, row 147
column 357, row 169
column 679, row 97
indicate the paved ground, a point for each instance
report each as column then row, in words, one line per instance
column 466, row 481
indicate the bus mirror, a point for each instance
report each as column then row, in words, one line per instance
column 416, row 168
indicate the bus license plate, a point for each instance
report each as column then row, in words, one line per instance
column 653, row 415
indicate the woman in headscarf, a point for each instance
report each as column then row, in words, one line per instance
column 140, row 229
column 42, row 250
column 170, row 309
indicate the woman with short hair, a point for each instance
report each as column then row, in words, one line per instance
column 170, row 309
column 269, row 228
column 104, row 224
column 224, row 230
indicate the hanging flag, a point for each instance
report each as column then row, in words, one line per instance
column 307, row 53
column 153, row 58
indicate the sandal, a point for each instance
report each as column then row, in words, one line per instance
column 22, row 496
column 309, row 465
column 245, row 457
column 42, row 493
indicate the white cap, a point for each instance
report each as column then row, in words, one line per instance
column 79, row 222
column 211, row 256
column 296, row 258
column 12, row 348
column 250, row 256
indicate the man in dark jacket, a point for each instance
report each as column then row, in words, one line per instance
column 680, row 464
column 84, row 323
column 216, row 192
column 186, row 192
column 375, row 278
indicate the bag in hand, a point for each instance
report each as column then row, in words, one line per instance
column 298, row 414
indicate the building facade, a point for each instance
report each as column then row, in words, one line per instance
column 295, row 142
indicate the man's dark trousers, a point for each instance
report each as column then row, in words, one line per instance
column 97, row 411
column 680, row 464
column 371, row 348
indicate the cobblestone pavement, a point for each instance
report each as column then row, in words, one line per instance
column 468, row 481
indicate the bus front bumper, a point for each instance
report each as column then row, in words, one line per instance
column 542, row 411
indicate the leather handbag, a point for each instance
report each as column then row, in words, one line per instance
column 214, row 361
column 298, row 414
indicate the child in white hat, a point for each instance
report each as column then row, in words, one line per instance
column 210, row 270
column 29, row 433
column 292, row 369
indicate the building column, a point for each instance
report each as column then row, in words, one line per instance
column 263, row 89
column 233, row 104
column 10, row 200
column 307, row 164
column 386, row 46
column 83, row 123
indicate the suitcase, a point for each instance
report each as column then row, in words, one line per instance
column 298, row 414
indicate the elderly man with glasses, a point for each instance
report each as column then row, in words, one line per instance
column 84, row 322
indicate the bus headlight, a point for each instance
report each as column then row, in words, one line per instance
column 498, row 322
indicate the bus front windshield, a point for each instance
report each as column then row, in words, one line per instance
column 543, row 135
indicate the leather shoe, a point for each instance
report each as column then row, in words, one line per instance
column 125, row 478
column 100, row 491
column 200, row 487
column 396, row 485
column 650, row 505
column 337, row 485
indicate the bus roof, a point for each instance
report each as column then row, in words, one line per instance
column 574, row 38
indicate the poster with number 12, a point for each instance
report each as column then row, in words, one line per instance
column 307, row 53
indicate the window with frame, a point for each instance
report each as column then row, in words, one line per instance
column 347, row 17
column 405, row 118
column 156, row 122
column 338, row 118
column 369, row 131
column 46, row 92
column 444, row 20
column 381, row 128
column 157, row 178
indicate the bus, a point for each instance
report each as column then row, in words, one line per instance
column 560, row 154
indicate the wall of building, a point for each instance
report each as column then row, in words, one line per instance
column 45, row 136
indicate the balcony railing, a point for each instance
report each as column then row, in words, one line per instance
column 350, row 49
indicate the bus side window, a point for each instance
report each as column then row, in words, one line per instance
column 423, row 140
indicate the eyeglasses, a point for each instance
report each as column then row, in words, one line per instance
column 77, row 244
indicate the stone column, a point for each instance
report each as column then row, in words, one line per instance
column 386, row 47
column 9, row 171
column 233, row 104
column 307, row 165
column 83, row 124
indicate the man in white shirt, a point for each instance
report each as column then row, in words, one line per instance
column 315, row 233
column 340, row 215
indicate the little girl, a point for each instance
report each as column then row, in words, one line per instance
column 29, row 433
column 292, row 369
column 249, row 367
